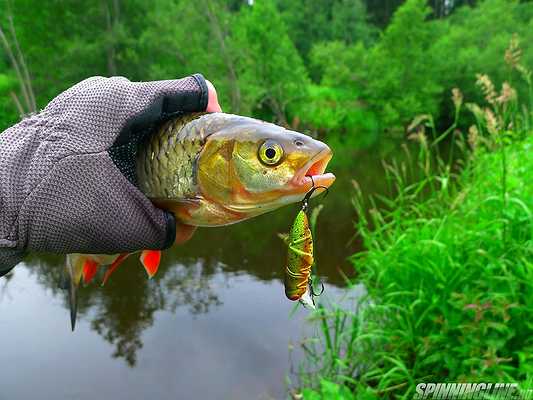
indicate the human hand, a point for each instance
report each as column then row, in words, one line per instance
column 66, row 173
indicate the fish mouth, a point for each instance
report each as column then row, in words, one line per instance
column 313, row 174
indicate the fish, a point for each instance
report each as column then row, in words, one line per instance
column 219, row 169
column 216, row 169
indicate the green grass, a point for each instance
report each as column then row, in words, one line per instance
column 448, row 268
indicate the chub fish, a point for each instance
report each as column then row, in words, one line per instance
column 219, row 169
column 214, row 169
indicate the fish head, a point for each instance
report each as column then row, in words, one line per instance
column 251, row 167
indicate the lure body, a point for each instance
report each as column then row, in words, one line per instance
column 299, row 260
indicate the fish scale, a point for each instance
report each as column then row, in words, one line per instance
column 165, row 164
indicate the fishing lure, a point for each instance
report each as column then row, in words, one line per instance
column 298, row 285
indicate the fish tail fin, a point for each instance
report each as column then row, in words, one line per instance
column 150, row 259
column 74, row 271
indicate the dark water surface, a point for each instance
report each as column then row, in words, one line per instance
column 213, row 324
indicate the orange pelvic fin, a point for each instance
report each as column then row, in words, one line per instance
column 114, row 266
column 89, row 270
column 150, row 260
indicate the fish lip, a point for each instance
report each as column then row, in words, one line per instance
column 318, row 164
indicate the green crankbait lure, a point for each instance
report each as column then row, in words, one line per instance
column 298, row 285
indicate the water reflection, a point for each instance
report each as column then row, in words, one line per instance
column 125, row 307
column 237, row 350
column 190, row 285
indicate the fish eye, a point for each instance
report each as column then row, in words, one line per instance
column 270, row 153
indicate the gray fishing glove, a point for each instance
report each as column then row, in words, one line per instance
column 67, row 174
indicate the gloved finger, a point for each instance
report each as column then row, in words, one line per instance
column 151, row 103
column 156, row 101
column 188, row 94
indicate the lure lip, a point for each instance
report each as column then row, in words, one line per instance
column 315, row 168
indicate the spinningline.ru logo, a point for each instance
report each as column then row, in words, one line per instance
column 448, row 391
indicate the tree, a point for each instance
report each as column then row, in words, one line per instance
column 61, row 54
column 381, row 11
column 311, row 22
column 198, row 43
column 401, row 68
column 270, row 72
column 473, row 41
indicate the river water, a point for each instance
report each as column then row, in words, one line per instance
column 213, row 324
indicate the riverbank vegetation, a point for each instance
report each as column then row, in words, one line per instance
column 448, row 265
column 350, row 71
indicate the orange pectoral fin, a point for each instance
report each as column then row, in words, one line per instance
column 150, row 260
column 114, row 266
column 89, row 270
